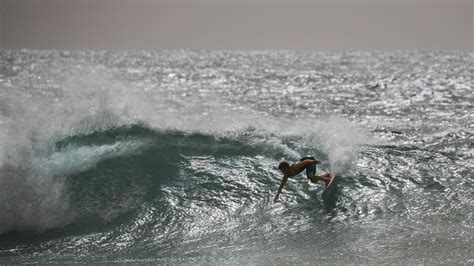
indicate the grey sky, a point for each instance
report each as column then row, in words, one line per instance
column 238, row 24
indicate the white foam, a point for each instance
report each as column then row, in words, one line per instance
column 82, row 99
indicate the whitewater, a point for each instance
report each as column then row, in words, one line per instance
column 170, row 157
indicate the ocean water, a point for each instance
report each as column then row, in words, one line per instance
column 169, row 157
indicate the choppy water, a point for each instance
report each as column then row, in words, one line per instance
column 170, row 157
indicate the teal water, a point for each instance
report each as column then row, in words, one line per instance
column 170, row 157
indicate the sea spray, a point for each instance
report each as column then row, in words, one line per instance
column 75, row 99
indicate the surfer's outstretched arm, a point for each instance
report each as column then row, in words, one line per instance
column 280, row 188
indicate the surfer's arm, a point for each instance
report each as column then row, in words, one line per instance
column 280, row 188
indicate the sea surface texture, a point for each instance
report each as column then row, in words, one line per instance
column 171, row 157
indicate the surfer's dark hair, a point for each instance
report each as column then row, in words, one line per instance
column 283, row 165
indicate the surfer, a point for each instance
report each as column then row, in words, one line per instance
column 308, row 163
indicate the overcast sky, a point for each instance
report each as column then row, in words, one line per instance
column 238, row 24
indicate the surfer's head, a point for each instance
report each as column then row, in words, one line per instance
column 284, row 167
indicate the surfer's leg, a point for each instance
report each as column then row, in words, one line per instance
column 312, row 177
column 311, row 171
column 327, row 178
column 316, row 178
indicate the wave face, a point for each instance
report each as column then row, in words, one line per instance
column 170, row 157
